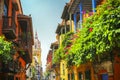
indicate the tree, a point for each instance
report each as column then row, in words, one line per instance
column 6, row 50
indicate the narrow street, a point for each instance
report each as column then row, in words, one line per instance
column 60, row 40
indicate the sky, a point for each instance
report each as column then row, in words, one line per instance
column 46, row 14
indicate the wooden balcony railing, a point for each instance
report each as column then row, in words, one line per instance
column 10, row 67
column 9, row 27
column 25, row 46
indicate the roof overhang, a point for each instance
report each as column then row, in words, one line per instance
column 65, row 14
column 59, row 28
column 54, row 44
column 62, row 25
column 74, row 7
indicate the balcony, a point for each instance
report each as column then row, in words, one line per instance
column 9, row 28
column 11, row 67
column 86, row 4
column 63, row 28
column 27, row 57
column 25, row 52
column 54, row 45
column 65, row 14
column 25, row 39
column 25, row 48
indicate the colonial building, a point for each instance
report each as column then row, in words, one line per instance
column 74, row 15
column 17, row 28
column 35, row 70
column 49, row 70
column 81, row 10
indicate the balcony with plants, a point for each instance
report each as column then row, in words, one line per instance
column 99, row 37
column 25, row 37
column 98, row 41
column 7, row 51
column 62, row 50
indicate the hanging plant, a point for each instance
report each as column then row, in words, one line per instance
column 6, row 50
column 61, row 52
column 99, row 37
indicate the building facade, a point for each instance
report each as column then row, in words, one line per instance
column 49, row 70
column 35, row 70
column 74, row 15
column 13, row 25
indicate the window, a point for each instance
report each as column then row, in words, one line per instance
column 17, row 78
column 68, row 76
column 87, row 75
column 67, row 28
column 63, row 69
column 79, row 25
column 5, row 9
column 72, row 76
column 104, row 76
column 80, row 76
column 35, row 46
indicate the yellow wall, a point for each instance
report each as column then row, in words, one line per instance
column 63, row 66
column 57, row 72
column 61, row 38
column 71, row 23
column 72, row 26
column 74, row 69
column 82, row 68
column 63, row 70
column 39, row 56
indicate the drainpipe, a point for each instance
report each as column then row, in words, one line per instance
column 94, row 5
column 70, row 18
column 80, row 7
column 65, row 27
column 75, row 22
